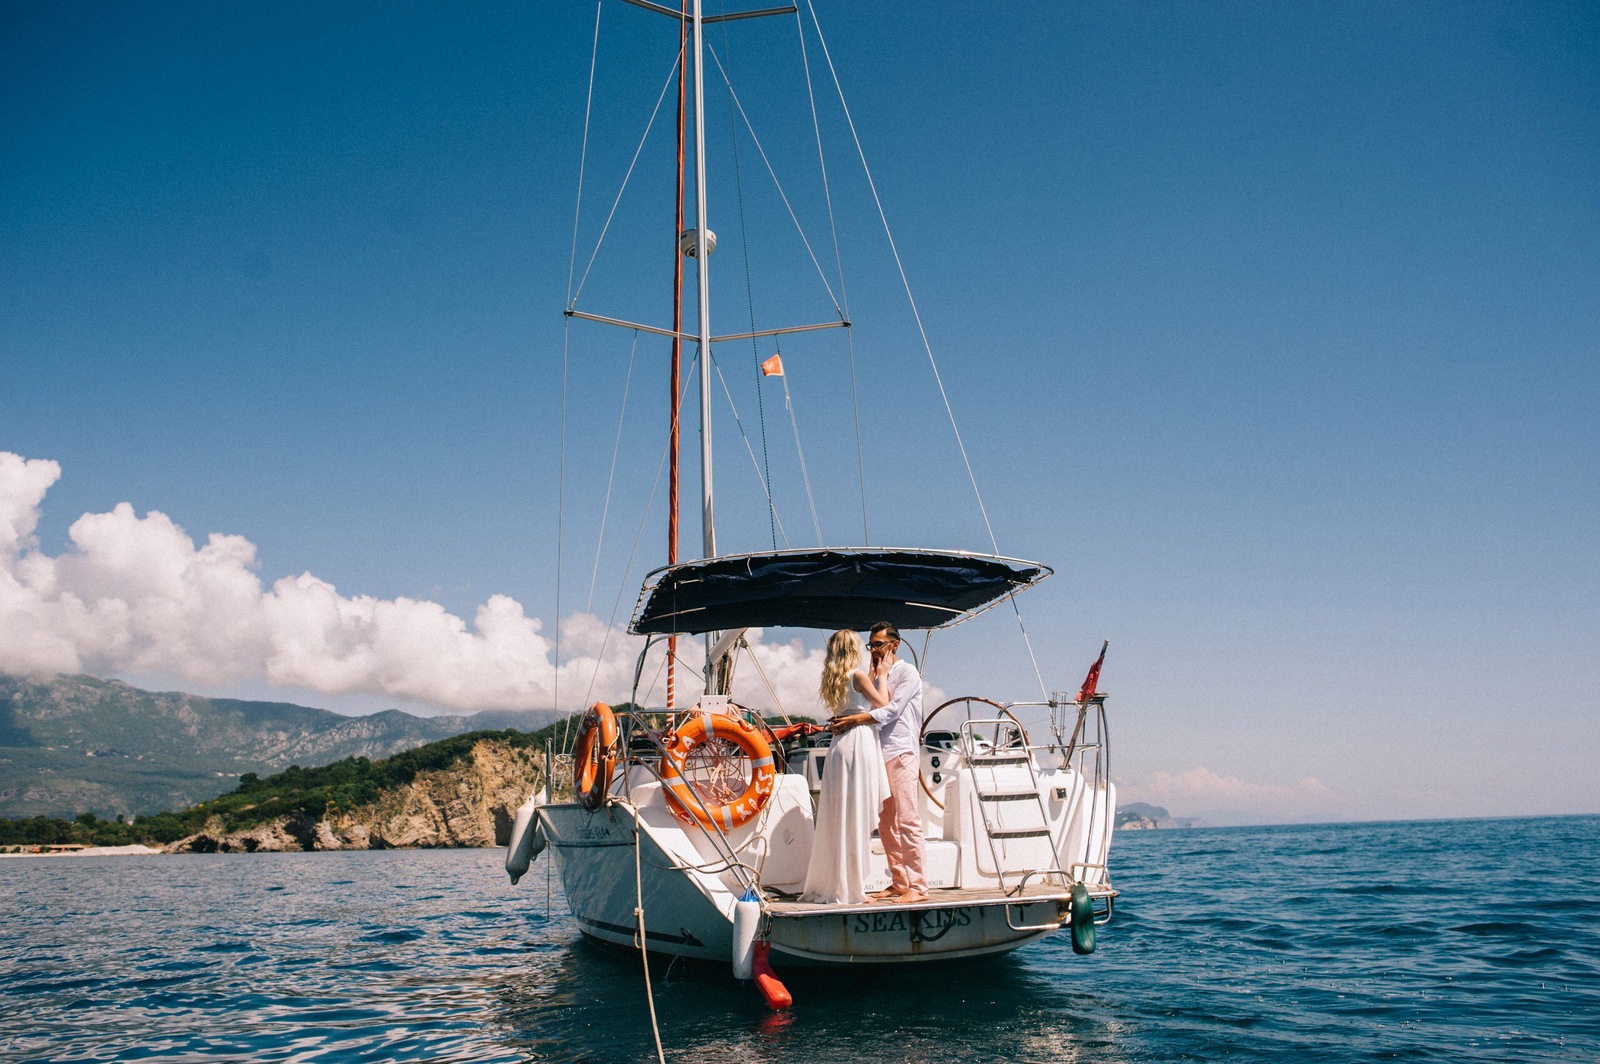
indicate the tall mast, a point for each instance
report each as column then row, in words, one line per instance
column 677, row 345
column 702, row 268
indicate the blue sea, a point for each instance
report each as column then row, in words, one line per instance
column 1468, row 940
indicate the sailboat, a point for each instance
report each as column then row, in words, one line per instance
column 691, row 829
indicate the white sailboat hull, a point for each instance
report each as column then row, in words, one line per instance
column 687, row 893
column 595, row 858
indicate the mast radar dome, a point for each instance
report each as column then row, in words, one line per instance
column 688, row 242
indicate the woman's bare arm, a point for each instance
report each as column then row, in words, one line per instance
column 875, row 688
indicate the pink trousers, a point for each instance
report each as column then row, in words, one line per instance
column 900, row 827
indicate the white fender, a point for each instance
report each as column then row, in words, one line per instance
column 746, row 921
column 527, row 839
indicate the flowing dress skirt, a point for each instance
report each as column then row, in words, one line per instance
column 854, row 785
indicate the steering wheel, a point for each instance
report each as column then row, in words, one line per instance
column 968, row 701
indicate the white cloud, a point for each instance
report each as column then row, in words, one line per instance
column 136, row 595
column 1201, row 792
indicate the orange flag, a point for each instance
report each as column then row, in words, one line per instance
column 772, row 367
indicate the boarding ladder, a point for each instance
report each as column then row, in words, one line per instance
column 1006, row 786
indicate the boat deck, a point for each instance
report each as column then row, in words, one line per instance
column 938, row 898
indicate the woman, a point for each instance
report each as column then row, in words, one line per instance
column 854, row 781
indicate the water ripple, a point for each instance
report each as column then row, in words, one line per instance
column 1325, row 943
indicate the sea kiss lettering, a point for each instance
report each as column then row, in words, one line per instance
column 594, row 833
column 930, row 920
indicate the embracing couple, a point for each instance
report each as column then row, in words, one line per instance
column 870, row 777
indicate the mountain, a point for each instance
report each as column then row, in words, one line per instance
column 1135, row 815
column 76, row 744
column 460, row 791
column 1140, row 815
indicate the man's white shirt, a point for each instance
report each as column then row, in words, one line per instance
column 900, row 722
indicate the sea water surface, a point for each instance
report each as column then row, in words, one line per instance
column 1473, row 940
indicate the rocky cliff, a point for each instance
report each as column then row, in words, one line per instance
column 471, row 803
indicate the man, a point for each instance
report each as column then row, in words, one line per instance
column 899, row 725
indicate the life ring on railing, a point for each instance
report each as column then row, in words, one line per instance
column 715, row 748
column 594, row 756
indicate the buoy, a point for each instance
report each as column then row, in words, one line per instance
column 746, row 921
column 776, row 993
column 685, row 802
column 1082, row 920
column 594, row 756
column 527, row 839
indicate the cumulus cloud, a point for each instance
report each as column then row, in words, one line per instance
column 136, row 595
column 1202, row 792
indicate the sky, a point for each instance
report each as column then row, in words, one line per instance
column 1272, row 328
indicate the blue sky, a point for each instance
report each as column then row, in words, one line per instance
column 1271, row 327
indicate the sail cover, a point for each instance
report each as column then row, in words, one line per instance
column 830, row 588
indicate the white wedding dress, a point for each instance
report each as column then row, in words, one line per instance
column 855, row 785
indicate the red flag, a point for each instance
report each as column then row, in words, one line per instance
column 1090, row 681
column 772, row 367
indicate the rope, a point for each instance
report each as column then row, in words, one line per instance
column 644, row 953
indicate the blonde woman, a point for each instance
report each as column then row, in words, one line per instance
column 854, row 781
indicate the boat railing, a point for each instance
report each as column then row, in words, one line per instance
column 637, row 728
column 1084, row 746
column 1080, row 736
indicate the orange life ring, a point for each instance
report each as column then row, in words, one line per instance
column 594, row 756
column 694, row 804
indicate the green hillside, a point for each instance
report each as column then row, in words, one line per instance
column 76, row 744
column 309, row 792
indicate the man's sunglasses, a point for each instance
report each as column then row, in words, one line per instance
column 877, row 643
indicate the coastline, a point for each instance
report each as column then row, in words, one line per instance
column 86, row 851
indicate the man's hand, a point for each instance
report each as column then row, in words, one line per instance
column 842, row 724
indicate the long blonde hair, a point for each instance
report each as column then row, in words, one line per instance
column 844, row 654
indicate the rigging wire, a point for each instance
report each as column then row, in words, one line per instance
column 922, row 331
column 616, row 448
column 771, row 690
column 735, row 106
column 739, row 424
column 805, row 473
column 749, row 285
column 572, row 295
column 838, row 259
column 583, row 153
column 622, row 582
column 566, row 347
column 778, row 186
